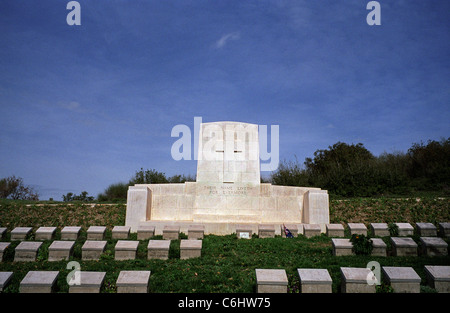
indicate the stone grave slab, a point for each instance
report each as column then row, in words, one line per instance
column 89, row 282
column 45, row 233
column 426, row 229
column 403, row 246
column 433, row 246
column 133, row 281
column 158, row 249
column 38, row 282
column 357, row 228
column 438, row 277
column 402, row 279
column 2, row 232
column 380, row 229
column 379, row 247
column 145, row 232
column 27, row 251
column 342, row 246
column 354, row 280
column 70, row 232
column 271, row 281
column 60, row 250
column 335, row 230
column 444, row 230
column 190, row 248
column 405, row 229
column 5, row 278
column 313, row 280
column 126, row 250
column 196, row 231
column 20, row 233
column 3, row 247
column 266, row 231
column 311, row 230
column 92, row 249
column 96, row 233
column 171, row 232
column 120, row 232
column 244, row 231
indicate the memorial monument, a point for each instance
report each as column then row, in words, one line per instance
column 227, row 192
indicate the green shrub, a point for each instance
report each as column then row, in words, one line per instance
column 362, row 245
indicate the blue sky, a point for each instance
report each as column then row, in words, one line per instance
column 85, row 106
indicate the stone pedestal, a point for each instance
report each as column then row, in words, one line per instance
column 266, row 231
column 405, row 229
column 45, row 233
column 432, row 246
column 125, row 250
column 438, row 277
column 314, row 280
column 92, row 249
column 20, row 233
column 3, row 247
column 354, row 280
column 379, row 247
column 5, row 278
column 271, row 281
column 158, row 249
column 426, row 229
column 244, row 231
column 403, row 246
column 196, row 232
column 335, row 230
column 27, row 251
column 2, row 232
column 120, row 232
column 133, row 281
column 60, row 250
column 145, row 232
column 342, row 246
column 190, row 249
column 444, row 230
column 357, row 228
column 402, row 279
column 171, row 232
column 380, row 229
column 89, row 282
column 38, row 282
column 70, row 233
column 96, row 233
column 311, row 230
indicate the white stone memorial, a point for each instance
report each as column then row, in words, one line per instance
column 228, row 190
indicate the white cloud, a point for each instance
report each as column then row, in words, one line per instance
column 225, row 38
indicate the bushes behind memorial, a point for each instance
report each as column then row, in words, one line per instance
column 353, row 171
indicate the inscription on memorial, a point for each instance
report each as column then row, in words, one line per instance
column 228, row 190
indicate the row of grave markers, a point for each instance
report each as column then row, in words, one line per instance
column 353, row 280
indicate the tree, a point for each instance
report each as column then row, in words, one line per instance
column 13, row 188
column 83, row 197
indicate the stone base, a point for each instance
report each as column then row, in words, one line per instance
column 354, row 280
column 89, row 282
column 158, row 249
column 120, row 232
column 92, row 250
column 342, row 246
column 96, row 233
column 190, row 248
column 335, row 230
column 444, row 230
column 3, row 247
column 357, row 228
column 20, row 233
column 402, row 279
column 70, row 233
column 196, row 232
column 426, row 229
column 171, row 232
column 271, row 281
column 145, row 232
column 45, row 233
column 133, row 281
column 380, row 229
column 38, row 282
column 379, row 247
column 244, row 231
column 403, row 246
column 60, row 250
column 314, row 281
column 405, row 229
column 438, row 277
column 125, row 250
column 27, row 251
column 266, row 231
column 311, row 230
column 5, row 278
column 433, row 246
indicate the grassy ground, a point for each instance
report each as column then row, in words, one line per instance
column 227, row 264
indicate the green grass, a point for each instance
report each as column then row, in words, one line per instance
column 227, row 264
